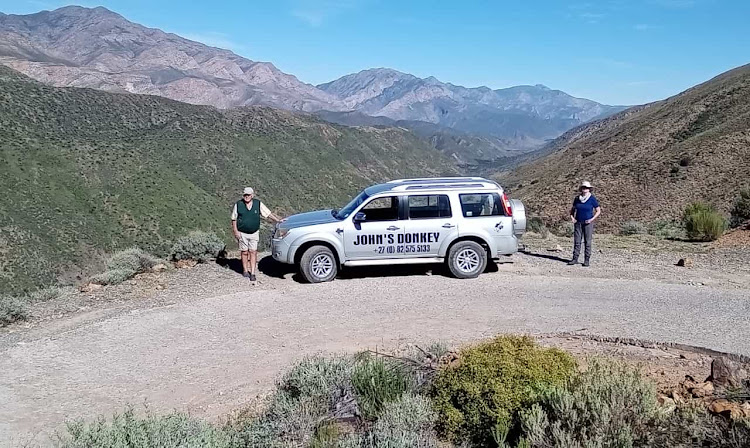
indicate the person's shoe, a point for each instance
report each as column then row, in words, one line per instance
column 252, row 278
column 572, row 262
column 246, row 274
column 586, row 264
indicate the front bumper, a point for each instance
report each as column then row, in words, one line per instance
column 280, row 250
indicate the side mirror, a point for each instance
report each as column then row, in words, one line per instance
column 359, row 217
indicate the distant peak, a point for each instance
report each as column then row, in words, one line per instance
column 542, row 86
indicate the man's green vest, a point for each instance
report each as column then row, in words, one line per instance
column 248, row 221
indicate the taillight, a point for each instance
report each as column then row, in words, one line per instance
column 506, row 206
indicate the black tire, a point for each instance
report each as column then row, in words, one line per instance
column 318, row 264
column 467, row 259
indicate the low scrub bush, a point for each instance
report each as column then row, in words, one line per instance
column 12, row 309
column 632, row 228
column 703, row 223
column 124, row 265
column 127, row 430
column 492, row 382
column 133, row 260
column 536, row 225
column 667, row 229
column 608, row 405
column 50, row 293
column 741, row 209
column 377, row 382
column 198, row 245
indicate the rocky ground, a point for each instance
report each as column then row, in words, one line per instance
column 202, row 339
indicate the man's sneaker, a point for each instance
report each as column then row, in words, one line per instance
column 572, row 262
column 252, row 278
column 246, row 274
column 586, row 264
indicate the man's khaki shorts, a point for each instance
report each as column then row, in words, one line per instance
column 249, row 241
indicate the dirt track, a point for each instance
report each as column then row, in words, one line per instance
column 210, row 343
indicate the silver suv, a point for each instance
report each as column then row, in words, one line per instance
column 462, row 221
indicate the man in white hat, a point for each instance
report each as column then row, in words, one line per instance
column 584, row 212
column 246, row 216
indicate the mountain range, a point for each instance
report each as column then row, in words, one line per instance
column 97, row 48
column 648, row 162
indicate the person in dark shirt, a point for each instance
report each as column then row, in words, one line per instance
column 584, row 212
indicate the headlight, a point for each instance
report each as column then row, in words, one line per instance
column 281, row 233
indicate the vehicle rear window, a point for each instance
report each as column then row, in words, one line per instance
column 481, row 204
column 429, row 206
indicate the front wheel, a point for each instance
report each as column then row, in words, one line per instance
column 318, row 264
column 467, row 259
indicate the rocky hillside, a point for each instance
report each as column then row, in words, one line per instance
column 84, row 172
column 97, row 48
column 648, row 162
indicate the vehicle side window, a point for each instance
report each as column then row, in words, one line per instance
column 481, row 204
column 381, row 209
column 429, row 206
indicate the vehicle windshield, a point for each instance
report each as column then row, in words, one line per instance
column 351, row 206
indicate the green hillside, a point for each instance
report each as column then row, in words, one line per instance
column 83, row 172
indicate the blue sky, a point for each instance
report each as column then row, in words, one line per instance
column 612, row 51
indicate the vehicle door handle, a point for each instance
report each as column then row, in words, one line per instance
column 392, row 228
column 448, row 226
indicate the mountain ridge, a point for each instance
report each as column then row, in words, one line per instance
column 83, row 47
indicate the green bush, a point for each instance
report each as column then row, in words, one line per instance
column 124, row 265
column 12, row 309
column 377, row 382
column 133, row 260
column 126, row 430
column 703, row 223
column 317, row 377
column 632, row 228
column 492, row 382
column 50, row 293
column 741, row 210
column 608, row 405
column 113, row 277
column 667, row 229
column 198, row 245
column 536, row 225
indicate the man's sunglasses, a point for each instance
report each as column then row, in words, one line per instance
column 246, row 195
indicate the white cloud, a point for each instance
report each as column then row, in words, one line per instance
column 215, row 39
column 317, row 12
column 644, row 27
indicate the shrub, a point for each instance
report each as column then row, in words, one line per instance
column 536, row 225
column 133, row 260
column 703, row 223
column 608, row 405
column 126, row 430
column 741, row 210
column 317, row 377
column 405, row 423
column 667, row 229
column 377, row 382
column 492, row 382
column 50, row 293
column 113, row 277
column 632, row 228
column 12, row 309
column 198, row 245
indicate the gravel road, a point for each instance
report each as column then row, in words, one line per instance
column 218, row 347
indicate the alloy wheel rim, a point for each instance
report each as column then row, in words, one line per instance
column 467, row 260
column 321, row 266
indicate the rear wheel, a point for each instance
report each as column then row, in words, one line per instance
column 318, row 264
column 467, row 259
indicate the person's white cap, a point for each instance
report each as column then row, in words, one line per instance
column 248, row 190
column 586, row 184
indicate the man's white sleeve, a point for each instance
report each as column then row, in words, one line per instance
column 264, row 211
column 234, row 213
